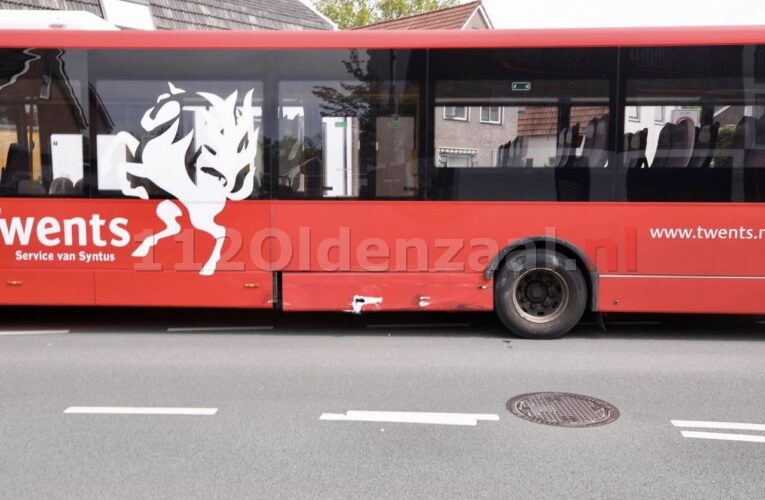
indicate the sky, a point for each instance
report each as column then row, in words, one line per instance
column 617, row 13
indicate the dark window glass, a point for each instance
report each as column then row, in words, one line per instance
column 348, row 123
column 549, row 110
column 694, row 124
column 180, row 124
column 43, row 122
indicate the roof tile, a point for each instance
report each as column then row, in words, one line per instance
column 204, row 14
column 544, row 120
column 449, row 18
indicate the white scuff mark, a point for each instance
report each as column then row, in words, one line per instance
column 359, row 301
column 424, row 301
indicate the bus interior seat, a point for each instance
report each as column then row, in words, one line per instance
column 503, row 153
column 599, row 154
column 566, row 139
column 560, row 148
column 522, row 146
column 663, row 146
column 516, row 152
column 626, row 144
column 61, row 186
column 704, row 147
column 750, row 136
column 29, row 187
column 743, row 139
column 760, row 129
column 295, row 126
column 291, row 171
column 16, row 168
column 507, row 150
column 79, row 187
column 587, row 149
column 681, row 149
column 512, row 152
column 755, row 154
column 572, row 136
column 635, row 150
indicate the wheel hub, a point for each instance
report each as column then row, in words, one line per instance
column 540, row 295
column 536, row 291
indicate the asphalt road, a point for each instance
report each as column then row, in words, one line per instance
column 272, row 407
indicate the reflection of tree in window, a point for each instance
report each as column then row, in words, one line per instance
column 347, row 114
column 381, row 165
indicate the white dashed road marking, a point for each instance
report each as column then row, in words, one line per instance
column 723, row 436
column 130, row 410
column 410, row 417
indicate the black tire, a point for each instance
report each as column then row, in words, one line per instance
column 537, row 295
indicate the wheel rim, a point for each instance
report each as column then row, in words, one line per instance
column 540, row 295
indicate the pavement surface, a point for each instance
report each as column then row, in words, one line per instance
column 198, row 404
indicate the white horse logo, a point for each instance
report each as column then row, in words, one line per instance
column 224, row 168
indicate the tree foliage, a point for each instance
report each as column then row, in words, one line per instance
column 355, row 13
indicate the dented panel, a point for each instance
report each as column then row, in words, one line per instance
column 366, row 292
column 359, row 302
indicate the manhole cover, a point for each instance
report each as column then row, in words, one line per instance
column 562, row 409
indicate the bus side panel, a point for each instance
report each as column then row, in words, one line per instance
column 46, row 287
column 251, row 289
column 362, row 292
column 657, row 294
column 75, row 251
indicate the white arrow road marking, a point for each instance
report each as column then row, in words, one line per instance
column 699, row 424
column 723, row 436
column 129, row 410
column 410, row 417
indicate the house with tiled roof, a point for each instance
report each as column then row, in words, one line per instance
column 465, row 136
column 467, row 16
column 182, row 15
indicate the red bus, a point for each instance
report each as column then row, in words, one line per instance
column 539, row 174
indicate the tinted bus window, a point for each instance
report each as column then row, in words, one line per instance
column 694, row 124
column 162, row 127
column 524, row 124
column 43, row 122
column 349, row 123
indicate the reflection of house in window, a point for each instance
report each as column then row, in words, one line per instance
column 658, row 114
column 456, row 157
column 456, row 113
column 475, row 135
column 491, row 114
column 538, row 126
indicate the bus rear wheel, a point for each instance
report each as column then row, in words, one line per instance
column 537, row 296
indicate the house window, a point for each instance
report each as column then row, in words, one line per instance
column 457, row 157
column 130, row 14
column 456, row 113
column 633, row 113
column 658, row 116
column 491, row 114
